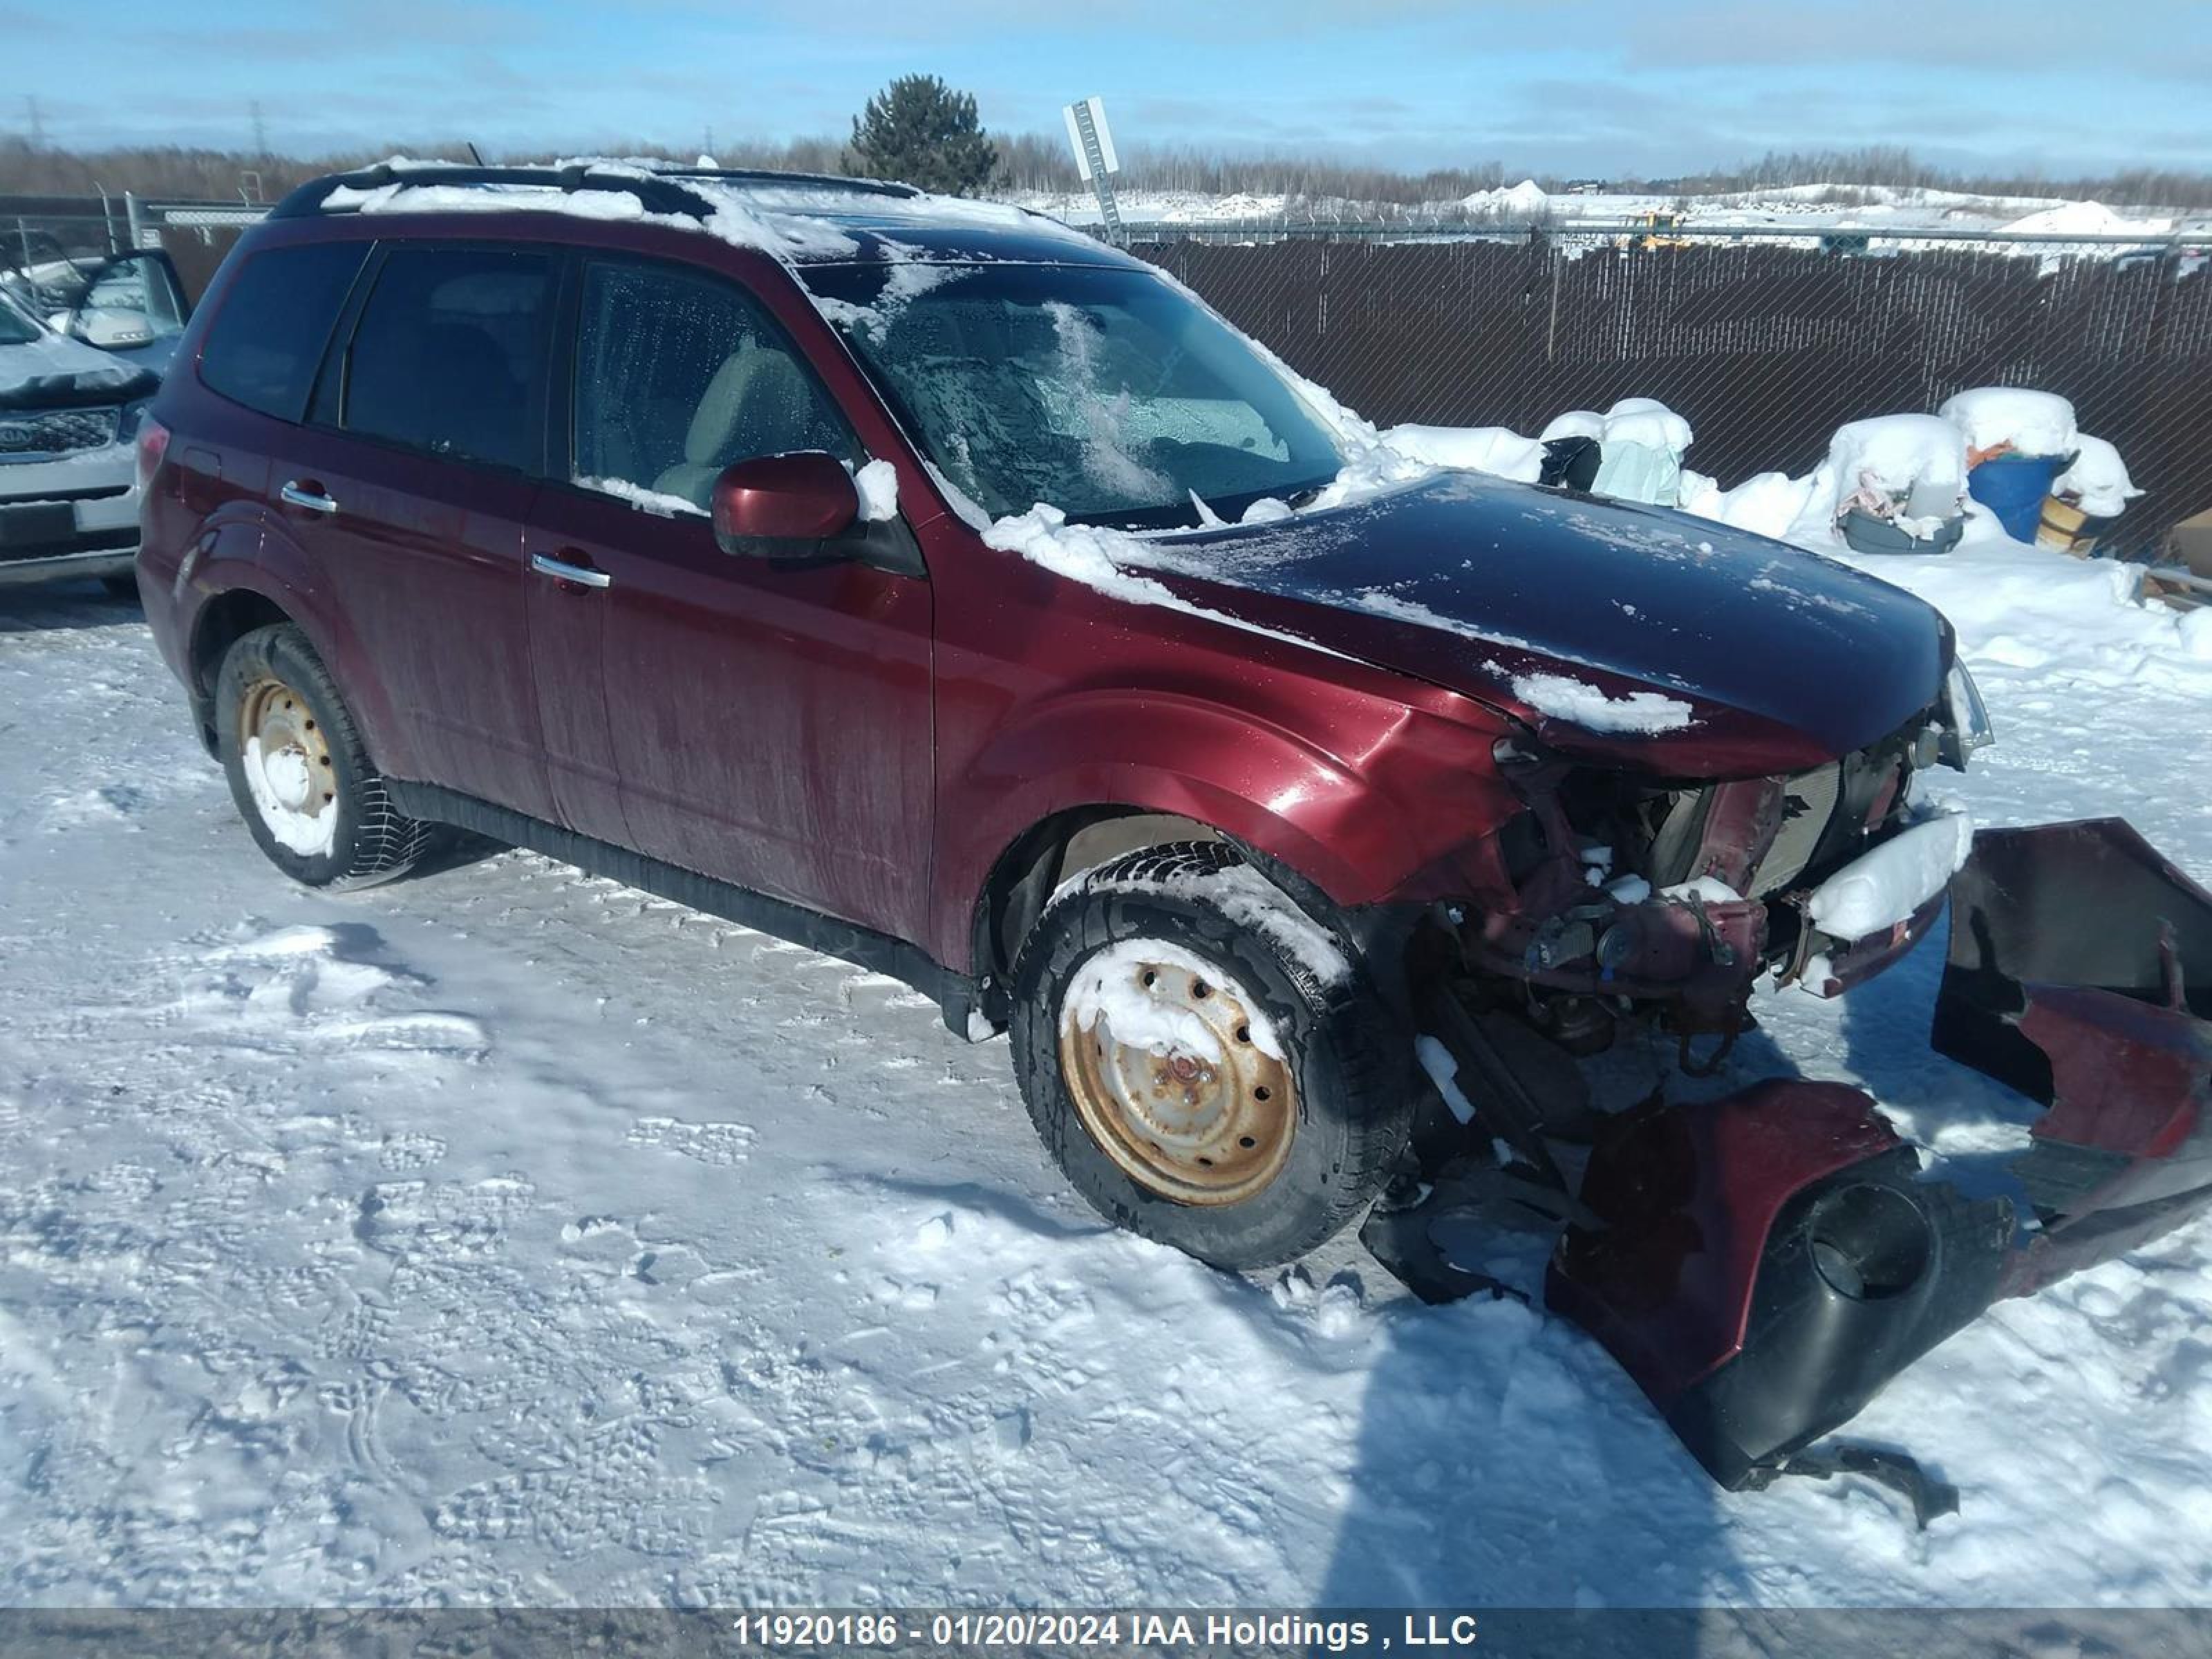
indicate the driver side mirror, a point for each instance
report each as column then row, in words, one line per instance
column 780, row 506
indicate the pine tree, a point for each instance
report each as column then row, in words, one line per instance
column 919, row 130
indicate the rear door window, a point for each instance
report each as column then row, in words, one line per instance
column 265, row 344
column 450, row 355
column 677, row 376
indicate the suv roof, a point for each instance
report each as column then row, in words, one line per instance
column 852, row 220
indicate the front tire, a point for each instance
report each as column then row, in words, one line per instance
column 298, row 772
column 1210, row 1068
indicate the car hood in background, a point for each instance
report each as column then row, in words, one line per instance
column 1581, row 616
column 55, row 372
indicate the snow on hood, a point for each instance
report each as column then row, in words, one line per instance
column 73, row 366
column 1600, row 618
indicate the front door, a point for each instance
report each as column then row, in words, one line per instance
column 765, row 722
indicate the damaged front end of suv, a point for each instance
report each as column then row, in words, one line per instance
column 1763, row 1264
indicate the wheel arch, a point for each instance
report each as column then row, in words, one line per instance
column 242, row 596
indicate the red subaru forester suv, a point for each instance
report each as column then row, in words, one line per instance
column 950, row 591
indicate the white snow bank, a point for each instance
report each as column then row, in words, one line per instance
column 2086, row 219
column 1494, row 449
column 2002, row 417
column 1575, row 423
column 2097, row 481
column 1885, row 886
column 1527, row 199
column 1649, row 422
column 1567, row 699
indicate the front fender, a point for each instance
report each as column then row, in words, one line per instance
column 1361, row 832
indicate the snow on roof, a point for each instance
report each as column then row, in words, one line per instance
column 801, row 220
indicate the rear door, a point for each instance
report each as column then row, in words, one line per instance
column 413, row 481
column 766, row 722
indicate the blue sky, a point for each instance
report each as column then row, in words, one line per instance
column 1566, row 86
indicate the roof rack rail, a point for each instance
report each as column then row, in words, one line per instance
column 771, row 177
column 662, row 190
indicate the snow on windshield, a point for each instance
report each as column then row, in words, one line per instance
column 1101, row 417
column 1100, row 390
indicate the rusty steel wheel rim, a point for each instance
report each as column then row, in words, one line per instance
column 286, row 755
column 1204, row 1119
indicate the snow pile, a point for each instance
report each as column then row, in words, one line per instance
column 1648, row 421
column 2001, row 420
column 2098, row 481
column 2086, row 219
column 1885, row 887
column 1494, row 449
column 1526, row 200
column 1588, row 707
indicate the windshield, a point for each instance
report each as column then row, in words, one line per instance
column 15, row 329
column 1107, row 393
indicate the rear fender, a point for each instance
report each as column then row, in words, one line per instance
column 260, row 559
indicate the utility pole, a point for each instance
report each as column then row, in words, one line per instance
column 260, row 130
column 38, row 126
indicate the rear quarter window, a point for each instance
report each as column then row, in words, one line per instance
column 267, row 340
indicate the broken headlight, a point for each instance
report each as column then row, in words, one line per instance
column 1966, row 722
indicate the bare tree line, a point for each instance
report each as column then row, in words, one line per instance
column 1040, row 161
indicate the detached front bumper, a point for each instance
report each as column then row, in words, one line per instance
column 1762, row 1264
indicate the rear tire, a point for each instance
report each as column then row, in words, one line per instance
column 299, row 772
column 1259, row 1092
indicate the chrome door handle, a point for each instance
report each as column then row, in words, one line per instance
column 583, row 575
column 293, row 496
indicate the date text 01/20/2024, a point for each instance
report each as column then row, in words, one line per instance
column 1079, row 1630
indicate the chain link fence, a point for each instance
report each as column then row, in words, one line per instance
column 1765, row 349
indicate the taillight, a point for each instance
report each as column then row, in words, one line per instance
column 153, row 444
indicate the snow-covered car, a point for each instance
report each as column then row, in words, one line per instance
column 68, row 487
column 956, row 594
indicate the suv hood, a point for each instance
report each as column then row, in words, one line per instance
column 55, row 372
column 1669, row 640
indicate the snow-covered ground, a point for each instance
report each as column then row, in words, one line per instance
column 503, row 1235
column 1888, row 216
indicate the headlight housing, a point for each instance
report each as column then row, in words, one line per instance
column 127, row 427
column 1966, row 721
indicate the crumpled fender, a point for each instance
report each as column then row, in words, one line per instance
column 2079, row 974
column 1762, row 1264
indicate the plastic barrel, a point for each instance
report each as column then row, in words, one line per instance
column 2013, row 487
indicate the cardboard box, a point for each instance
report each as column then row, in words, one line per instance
column 2190, row 543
